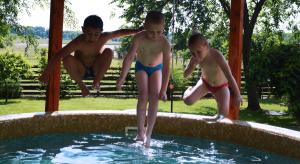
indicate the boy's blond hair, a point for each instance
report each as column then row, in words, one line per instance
column 197, row 36
column 155, row 17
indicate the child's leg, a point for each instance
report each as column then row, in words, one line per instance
column 154, row 88
column 76, row 71
column 142, row 86
column 101, row 65
column 192, row 94
column 222, row 97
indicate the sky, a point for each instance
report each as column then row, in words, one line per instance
column 81, row 8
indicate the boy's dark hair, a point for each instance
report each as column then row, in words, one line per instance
column 196, row 36
column 93, row 21
column 155, row 17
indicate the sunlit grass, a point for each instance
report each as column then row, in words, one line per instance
column 202, row 107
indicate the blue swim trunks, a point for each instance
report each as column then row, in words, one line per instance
column 89, row 74
column 149, row 70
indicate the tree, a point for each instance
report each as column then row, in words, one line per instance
column 211, row 17
column 267, row 14
column 9, row 11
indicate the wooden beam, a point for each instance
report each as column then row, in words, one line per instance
column 235, row 48
column 55, row 44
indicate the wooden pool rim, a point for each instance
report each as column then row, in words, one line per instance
column 260, row 136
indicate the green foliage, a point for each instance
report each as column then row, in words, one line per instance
column 13, row 67
column 10, row 89
column 280, row 67
column 179, row 81
column 190, row 15
column 183, row 54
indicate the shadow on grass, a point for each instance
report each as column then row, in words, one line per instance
column 205, row 110
column 209, row 111
column 272, row 101
column 284, row 120
column 9, row 102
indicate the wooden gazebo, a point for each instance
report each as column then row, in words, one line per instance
column 55, row 44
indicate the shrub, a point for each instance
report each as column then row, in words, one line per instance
column 280, row 67
column 11, row 89
column 13, row 67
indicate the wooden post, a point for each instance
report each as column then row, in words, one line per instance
column 55, row 44
column 235, row 48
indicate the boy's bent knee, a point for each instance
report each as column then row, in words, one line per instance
column 108, row 51
column 188, row 101
column 67, row 60
column 143, row 97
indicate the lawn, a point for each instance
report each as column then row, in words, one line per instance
column 203, row 107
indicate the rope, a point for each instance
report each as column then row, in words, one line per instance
column 172, row 39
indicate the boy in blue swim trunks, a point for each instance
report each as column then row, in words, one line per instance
column 151, row 71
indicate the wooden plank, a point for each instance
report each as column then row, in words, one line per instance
column 235, row 48
column 55, row 44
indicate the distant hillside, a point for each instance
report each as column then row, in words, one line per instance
column 43, row 33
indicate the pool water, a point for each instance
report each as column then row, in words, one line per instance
column 117, row 148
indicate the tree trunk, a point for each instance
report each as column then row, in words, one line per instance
column 6, row 91
column 251, row 88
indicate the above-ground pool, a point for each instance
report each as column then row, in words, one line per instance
column 117, row 148
column 98, row 136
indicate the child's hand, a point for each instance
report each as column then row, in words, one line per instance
column 238, row 101
column 193, row 60
column 163, row 96
column 119, row 83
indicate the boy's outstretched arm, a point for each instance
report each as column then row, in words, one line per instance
column 127, row 63
column 165, row 71
column 190, row 67
column 125, row 32
column 231, row 81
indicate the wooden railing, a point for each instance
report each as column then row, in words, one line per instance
column 32, row 88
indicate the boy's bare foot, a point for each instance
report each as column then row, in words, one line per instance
column 139, row 138
column 147, row 141
column 96, row 86
column 140, row 135
column 216, row 117
column 84, row 90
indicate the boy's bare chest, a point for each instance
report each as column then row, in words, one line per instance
column 209, row 67
column 149, row 48
column 89, row 49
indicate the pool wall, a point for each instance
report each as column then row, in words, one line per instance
column 264, row 137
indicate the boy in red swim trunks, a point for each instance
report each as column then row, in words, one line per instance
column 216, row 76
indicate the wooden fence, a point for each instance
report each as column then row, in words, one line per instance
column 32, row 88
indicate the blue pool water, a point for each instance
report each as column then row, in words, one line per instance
column 117, row 148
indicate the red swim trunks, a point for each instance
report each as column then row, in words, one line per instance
column 213, row 89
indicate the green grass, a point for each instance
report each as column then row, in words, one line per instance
column 202, row 107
